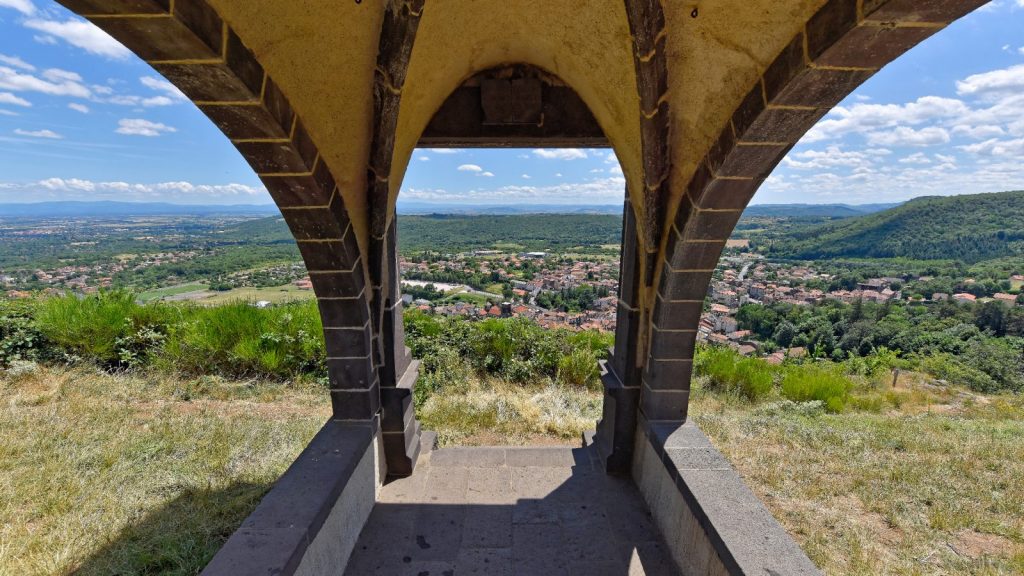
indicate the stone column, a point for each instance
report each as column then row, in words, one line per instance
column 620, row 374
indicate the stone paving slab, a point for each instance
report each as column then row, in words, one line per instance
column 510, row 512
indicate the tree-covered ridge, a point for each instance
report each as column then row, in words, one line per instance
column 541, row 232
column 969, row 228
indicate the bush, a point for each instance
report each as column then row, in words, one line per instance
column 109, row 328
column 811, row 382
column 20, row 338
column 239, row 340
column 726, row 370
column 579, row 369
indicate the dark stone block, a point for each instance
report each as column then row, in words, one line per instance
column 344, row 312
column 721, row 149
column 652, row 77
column 748, row 111
column 290, row 191
column 823, row 88
column 684, row 213
column 355, row 404
column 345, row 284
column 243, row 122
column 668, row 374
column 271, row 157
column 692, row 255
column 672, row 344
column 711, row 225
column 753, row 160
column 729, row 193
column 313, row 224
column 654, row 136
column 675, row 436
column 325, row 180
column 203, row 21
column 873, row 46
column 684, row 285
column 112, row 7
column 347, row 342
column 304, row 144
column 829, row 24
column 328, row 256
column 206, row 82
column 784, row 68
column 279, row 108
column 695, row 190
column 664, row 405
column 156, row 39
column 782, row 124
column 938, row 11
column 695, row 459
column 350, row 373
column 677, row 315
column 243, row 63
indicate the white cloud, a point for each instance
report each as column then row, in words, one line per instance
column 8, row 98
column 487, row 174
column 865, row 118
column 831, row 157
column 915, row 158
column 81, row 189
column 945, row 158
column 558, row 174
column 526, row 176
column 44, row 39
column 560, row 153
column 1020, row 50
column 24, row 6
column 49, row 134
column 424, row 158
column 470, row 168
column 82, row 34
column 7, row 113
column 991, row 85
column 16, row 62
column 444, row 150
column 904, row 136
column 978, row 132
column 55, row 82
column 140, row 127
column 79, row 107
column 617, row 169
column 995, row 147
column 600, row 191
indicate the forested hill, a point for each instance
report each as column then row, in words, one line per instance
column 967, row 228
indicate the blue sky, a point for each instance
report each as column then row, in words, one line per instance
column 81, row 118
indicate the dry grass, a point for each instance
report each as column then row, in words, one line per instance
column 497, row 412
column 928, row 482
column 105, row 474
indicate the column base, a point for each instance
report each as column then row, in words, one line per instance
column 400, row 429
column 616, row 430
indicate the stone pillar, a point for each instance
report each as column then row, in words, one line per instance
column 620, row 374
column 398, row 372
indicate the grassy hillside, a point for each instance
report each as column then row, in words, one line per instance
column 557, row 232
column 967, row 228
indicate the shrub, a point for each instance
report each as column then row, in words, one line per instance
column 20, row 338
column 108, row 327
column 811, row 382
column 240, row 340
column 726, row 370
column 579, row 368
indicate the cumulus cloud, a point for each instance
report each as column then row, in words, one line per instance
column 905, row 136
column 81, row 34
column 487, row 174
column 79, row 107
column 16, row 62
column 24, row 6
column 8, row 98
column 560, row 153
column 140, row 127
column 915, row 158
column 600, row 191
column 526, row 176
column 160, row 85
column 469, row 168
column 444, row 150
column 54, row 82
column 993, row 84
column 48, row 134
column 831, row 157
column 868, row 118
column 83, row 189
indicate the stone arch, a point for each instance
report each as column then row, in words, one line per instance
column 842, row 45
column 188, row 42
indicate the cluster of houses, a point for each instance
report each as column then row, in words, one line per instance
column 552, row 273
column 601, row 318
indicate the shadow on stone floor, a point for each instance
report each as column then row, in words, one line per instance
column 514, row 511
column 179, row 538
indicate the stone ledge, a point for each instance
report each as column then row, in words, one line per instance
column 329, row 489
column 677, row 467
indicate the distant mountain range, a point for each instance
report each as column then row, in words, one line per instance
column 969, row 228
column 118, row 209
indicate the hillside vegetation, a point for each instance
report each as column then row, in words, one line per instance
column 968, row 228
